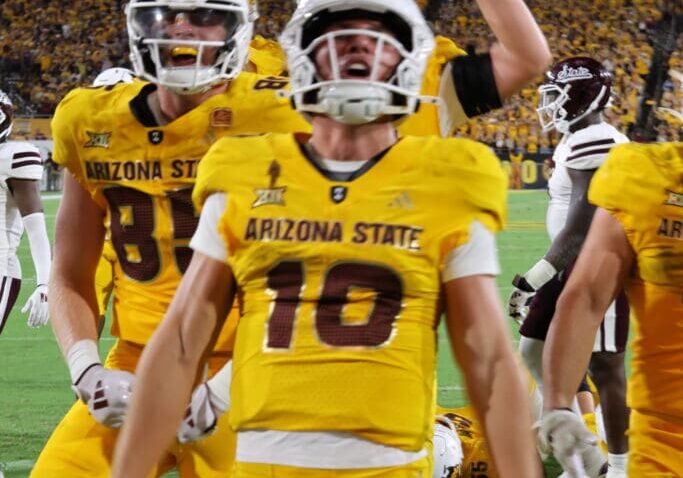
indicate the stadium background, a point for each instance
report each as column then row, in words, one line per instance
column 48, row 47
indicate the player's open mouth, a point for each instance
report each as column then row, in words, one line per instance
column 184, row 56
column 356, row 70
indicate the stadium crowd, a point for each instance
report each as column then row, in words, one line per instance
column 47, row 48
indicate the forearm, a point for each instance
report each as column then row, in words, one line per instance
column 494, row 381
column 483, row 348
column 517, row 32
column 170, row 363
column 521, row 52
column 73, row 312
column 34, row 224
column 565, row 248
column 568, row 347
column 158, row 405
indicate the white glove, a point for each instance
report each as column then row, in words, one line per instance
column 106, row 392
column 520, row 298
column 564, row 433
column 202, row 414
column 36, row 306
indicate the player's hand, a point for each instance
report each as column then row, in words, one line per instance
column 36, row 306
column 106, row 392
column 520, row 298
column 202, row 414
column 564, row 434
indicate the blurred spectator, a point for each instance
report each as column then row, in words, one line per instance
column 48, row 47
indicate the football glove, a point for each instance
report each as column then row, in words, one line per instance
column 106, row 392
column 202, row 414
column 36, row 306
column 520, row 298
column 564, row 434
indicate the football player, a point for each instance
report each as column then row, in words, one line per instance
column 634, row 241
column 339, row 245
column 572, row 99
column 131, row 151
column 168, row 124
column 21, row 168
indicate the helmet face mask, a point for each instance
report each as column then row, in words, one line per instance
column 189, row 46
column 6, row 116
column 574, row 88
column 324, row 83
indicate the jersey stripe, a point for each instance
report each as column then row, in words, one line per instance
column 21, row 164
column 591, row 144
column 26, row 154
column 593, row 152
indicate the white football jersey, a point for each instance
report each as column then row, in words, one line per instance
column 18, row 160
column 584, row 149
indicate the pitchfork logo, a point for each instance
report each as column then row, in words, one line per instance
column 567, row 73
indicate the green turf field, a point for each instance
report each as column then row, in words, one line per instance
column 34, row 381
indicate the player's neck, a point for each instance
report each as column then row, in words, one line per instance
column 333, row 140
column 168, row 106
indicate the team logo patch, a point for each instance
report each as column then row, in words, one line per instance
column 221, row 118
column 155, row 136
column 674, row 199
column 271, row 195
column 97, row 140
column 338, row 193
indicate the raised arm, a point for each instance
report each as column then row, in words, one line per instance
column 483, row 348
column 170, row 364
column 521, row 52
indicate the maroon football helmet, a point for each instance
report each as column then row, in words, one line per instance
column 6, row 110
column 574, row 88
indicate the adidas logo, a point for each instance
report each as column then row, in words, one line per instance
column 402, row 201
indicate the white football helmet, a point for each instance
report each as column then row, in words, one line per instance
column 6, row 113
column 191, row 59
column 447, row 450
column 357, row 101
column 112, row 76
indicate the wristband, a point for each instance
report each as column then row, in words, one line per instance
column 81, row 356
column 540, row 273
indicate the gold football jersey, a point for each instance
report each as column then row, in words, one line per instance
column 143, row 178
column 267, row 56
column 477, row 461
column 339, row 282
column 642, row 187
column 426, row 120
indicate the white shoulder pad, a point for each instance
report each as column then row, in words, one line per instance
column 21, row 160
column 588, row 147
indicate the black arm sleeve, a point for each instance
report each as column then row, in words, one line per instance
column 475, row 84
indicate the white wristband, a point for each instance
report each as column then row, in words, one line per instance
column 80, row 356
column 540, row 273
column 219, row 386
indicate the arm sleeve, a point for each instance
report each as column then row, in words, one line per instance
column 471, row 80
column 478, row 256
column 207, row 239
column 39, row 244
